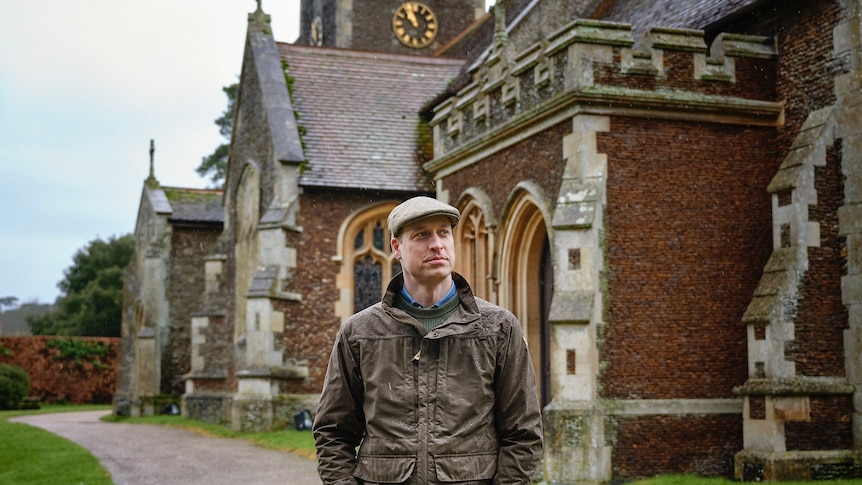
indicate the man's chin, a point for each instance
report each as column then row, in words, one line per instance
column 434, row 275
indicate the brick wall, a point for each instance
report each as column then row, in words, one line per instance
column 703, row 445
column 538, row 158
column 755, row 78
column 830, row 426
column 688, row 234
column 55, row 379
column 806, row 69
column 185, row 289
column 818, row 348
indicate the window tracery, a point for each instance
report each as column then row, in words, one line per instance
column 367, row 263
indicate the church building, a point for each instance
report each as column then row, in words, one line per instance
column 668, row 195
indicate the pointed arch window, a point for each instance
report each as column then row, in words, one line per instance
column 474, row 253
column 367, row 262
column 372, row 262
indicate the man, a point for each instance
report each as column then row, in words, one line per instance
column 432, row 384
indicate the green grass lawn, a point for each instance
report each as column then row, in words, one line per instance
column 33, row 456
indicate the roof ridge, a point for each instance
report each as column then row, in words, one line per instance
column 192, row 189
column 362, row 54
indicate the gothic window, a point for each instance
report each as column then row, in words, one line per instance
column 367, row 282
column 473, row 257
column 371, row 259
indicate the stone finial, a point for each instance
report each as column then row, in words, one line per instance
column 151, row 180
column 500, row 36
column 258, row 16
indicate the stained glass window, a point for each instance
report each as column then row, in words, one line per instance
column 378, row 236
column 367, row 283
column 371, row 260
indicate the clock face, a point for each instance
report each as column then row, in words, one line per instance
column 414, row 24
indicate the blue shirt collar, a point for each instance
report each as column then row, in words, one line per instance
column 415, row 303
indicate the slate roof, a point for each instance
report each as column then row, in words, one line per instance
column 195, row 205
column 684, row 14
column 360, row 115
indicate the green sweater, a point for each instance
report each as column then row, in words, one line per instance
column 430, row 318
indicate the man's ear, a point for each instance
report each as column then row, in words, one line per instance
column 396, row 248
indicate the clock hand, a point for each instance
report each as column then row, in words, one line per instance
column 411, row 16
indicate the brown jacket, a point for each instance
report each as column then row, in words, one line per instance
column 454, row 405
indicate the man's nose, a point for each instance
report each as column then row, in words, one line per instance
column 436, row 241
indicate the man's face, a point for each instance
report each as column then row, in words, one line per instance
column 426, row 250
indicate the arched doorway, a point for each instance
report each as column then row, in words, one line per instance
column 526, row 279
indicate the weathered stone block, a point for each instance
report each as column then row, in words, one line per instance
column 785, row 179
column 675, row 40
column 851, row 146
column 571, row 307
column 850, row 219
column 792, row 408
column 738, row 45
column 853, row 188
column 851, row 289
column 783, row 259
column 771, row 283
column 754, row 465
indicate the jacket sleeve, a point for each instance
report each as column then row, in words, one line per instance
column 517, row 411
column 340, row 423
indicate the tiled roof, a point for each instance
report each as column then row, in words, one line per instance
column 195, row 205
column 684, row 14
column 360, row 114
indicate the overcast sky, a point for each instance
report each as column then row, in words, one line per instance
column 84, row 86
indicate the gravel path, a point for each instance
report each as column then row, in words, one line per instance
column 140, row 454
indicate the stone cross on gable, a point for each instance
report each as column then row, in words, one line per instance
column 258, row 15
column 151, row 180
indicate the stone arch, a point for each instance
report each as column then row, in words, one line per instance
column 475, row 235
column 247, row 204
column 363, row 249
column 524, row 287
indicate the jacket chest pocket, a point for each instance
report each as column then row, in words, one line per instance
column 465, row 383
column 390, row 391
column 468, row 361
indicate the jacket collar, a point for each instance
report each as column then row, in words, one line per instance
column 468, row 301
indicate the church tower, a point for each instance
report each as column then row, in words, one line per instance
column 394, row 26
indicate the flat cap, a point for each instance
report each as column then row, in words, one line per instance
column 419, row 208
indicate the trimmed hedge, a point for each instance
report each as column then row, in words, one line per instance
column 66, row 370
column 14, row 386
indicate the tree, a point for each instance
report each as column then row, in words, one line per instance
column 215, row 164
column 8, row 301
column 92, row 300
